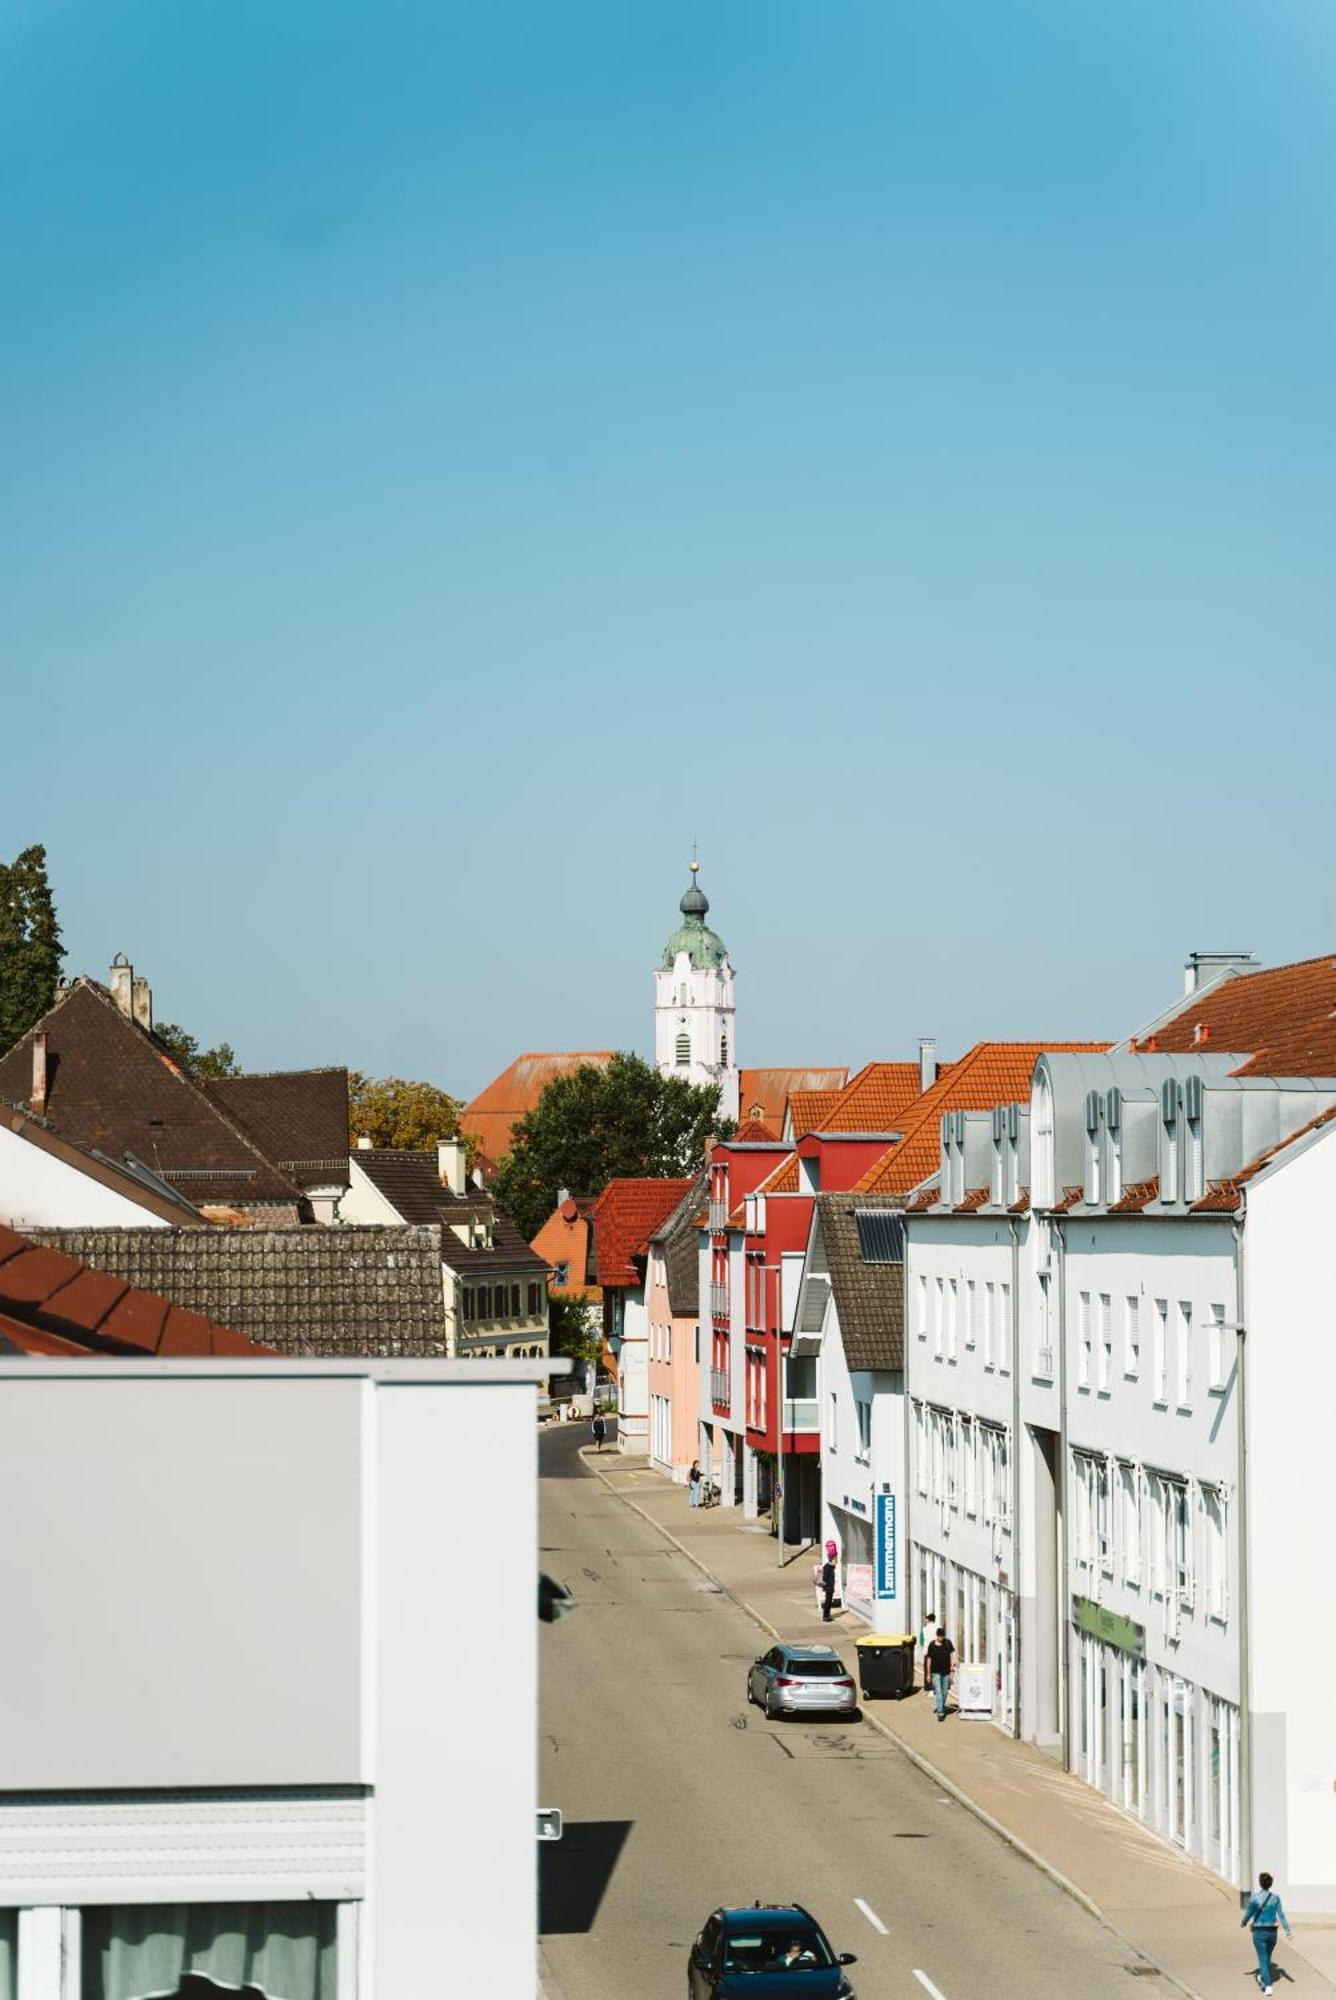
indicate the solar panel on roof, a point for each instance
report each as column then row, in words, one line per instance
column 881, row 1236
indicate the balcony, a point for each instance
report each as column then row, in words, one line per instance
column 721, row 1392
column 801, row 1414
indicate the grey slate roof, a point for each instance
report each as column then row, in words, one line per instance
column 364, row 1291
column 869, row 1298
column 680, row 1238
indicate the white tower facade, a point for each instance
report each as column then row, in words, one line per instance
column 693, row 1003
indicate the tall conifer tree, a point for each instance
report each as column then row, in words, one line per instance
column 30, row 951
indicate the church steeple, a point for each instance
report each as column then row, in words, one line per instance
column 693, row 1002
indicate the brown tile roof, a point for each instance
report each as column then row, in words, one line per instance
column 876, row 1100
column 753, row 1133
column 54, row 1304
column 763, row 1093
column 1284, row 1014
column 412, row 1185
column 1136, row 1196
column 626, row 1215
column 297, row 1117
column 115, row 1089
column 869, row 1298
column 491, row 1114
column 974, row 1198
column 299, row 1290
column 990, row 1073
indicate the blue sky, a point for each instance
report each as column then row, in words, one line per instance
column 455, row 455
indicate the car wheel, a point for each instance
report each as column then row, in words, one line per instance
column 771, row 1712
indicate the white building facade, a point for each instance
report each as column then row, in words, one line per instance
column 694, row 1017
column 271, row 1778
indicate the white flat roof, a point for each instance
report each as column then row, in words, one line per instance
column 463, row 1374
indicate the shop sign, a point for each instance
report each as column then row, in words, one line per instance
column 1110, row 1626
column 858, row 1581
column 886, row 1545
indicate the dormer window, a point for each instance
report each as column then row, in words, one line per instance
column 1042, row 1165
column 1093, row 1161
column 1169, row 1124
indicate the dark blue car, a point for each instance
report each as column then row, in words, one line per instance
column 772, row 1951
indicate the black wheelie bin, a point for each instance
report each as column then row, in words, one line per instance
column 886, row 1664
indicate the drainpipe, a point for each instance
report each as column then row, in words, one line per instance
column 1245, row 1675
column 906, row 1471
column 1017, row 1623
column 1060, row 1482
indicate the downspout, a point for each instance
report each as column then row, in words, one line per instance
column 1017, row 1539
column 903, row 1534
column 1060, row 1485
column 1245, row 1675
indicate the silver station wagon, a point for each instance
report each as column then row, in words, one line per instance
column 800, row 1680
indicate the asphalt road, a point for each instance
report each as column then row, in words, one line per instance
column 678, row 1797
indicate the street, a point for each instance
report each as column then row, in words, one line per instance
column 679, row 1797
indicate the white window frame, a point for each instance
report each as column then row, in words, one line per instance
column 1129, row 1522
column 1085, row 1341
column 971, row 1312
column 1131, row 1335
column 1217, row 1374
column 989, row 1321
column 1004, row 1329
column 1105, row 1342
column 1160, row 1354
column 952, row 1316
column 1183, row 1356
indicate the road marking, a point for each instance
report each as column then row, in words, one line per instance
column 927, row 1985
column 871, row 1916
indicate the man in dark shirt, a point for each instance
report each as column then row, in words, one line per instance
column 939, row 1667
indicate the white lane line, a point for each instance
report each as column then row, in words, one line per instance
column 871, row 1916
column 927, row 1985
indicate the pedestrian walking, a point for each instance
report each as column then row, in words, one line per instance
column 828, row 1582
column 1264, row 1913
column 693, row 1483
column 600, row 1432
column 925, row 1637
column 940, row 1654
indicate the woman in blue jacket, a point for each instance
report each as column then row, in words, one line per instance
column 1265, row 1912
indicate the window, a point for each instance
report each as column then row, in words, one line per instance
column 1083, row 1470
column 1105, row 1342
column 683, row 1051
column 484, row 1302
column 1193, row 1186
column 938, row 1315
column 1085, row 1342
column 1092, row 1187
column 1043, row 1361
column 921, row 1309
column 1180, row 1519
column 1004, row 1329
column 1159, row 1357
column 1041, row 1165
column 1215, row 1334
column 561, row 1274
column 920, row 1451
column 952, row 1313
column 971, row 1312
column 834, row 1420
column 972, row 1445
column 723, row 1051
column 668, row 1341
column 468, row 1302
column 1214, row 1516
column 1131, row 1334
column 514, row 1302
column 864, row 1412
column 1129, row 1523
column 1184, row 1354
column 1169, row 1145
column 1103, row 1535
column 989, row 1322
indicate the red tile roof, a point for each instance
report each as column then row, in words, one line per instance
column 876, row 1100
column 506, row 1099
column 1136, row 1196
column 763, row 1093
column 565, row 1238
column 1285, row 1015
column 52, row 1304
column 990, row 1073
column 809, row 1110
column 753, row 1133
column 625, row 1216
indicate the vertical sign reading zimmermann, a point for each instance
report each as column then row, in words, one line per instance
column 886, row 1545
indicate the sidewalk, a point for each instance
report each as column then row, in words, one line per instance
column 1173, row 1912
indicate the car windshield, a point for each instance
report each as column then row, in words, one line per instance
column 776, row 1951
column 817, row 1670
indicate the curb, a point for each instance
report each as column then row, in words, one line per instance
column 923, row 1764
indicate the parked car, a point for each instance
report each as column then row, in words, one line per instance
column 772, row 1951
column 794, row 1680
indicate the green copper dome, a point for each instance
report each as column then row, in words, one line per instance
column 704, row 947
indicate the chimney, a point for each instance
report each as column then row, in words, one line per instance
column 122, row 984
column 37, row 1098
column 141, row 1000
column 927, row 1061
column 1204, row 966
column 364, row 1143
column 452, row 1162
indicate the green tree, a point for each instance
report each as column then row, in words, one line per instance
column 30, row 951
column 391, row 1112
column 597, row 1124
column 573, row 1328
column 187, row 1054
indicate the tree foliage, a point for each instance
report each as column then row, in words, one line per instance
column 30, row 951
column 596, row 1124
column 187, row 1054
column 573, row 1328
column 392, row 1112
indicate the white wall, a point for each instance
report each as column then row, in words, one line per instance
column 633, row 1374
column 39, row 1191
column 363, row 1201
column 1290, row 1364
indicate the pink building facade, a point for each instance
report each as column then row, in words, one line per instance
column 672, row 1309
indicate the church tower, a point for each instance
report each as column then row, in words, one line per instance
column 693, row 1003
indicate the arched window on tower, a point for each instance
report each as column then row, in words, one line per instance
column 683, row 1051
column 723, row 1050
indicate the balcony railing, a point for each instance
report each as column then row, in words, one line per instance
column 719, row 1301
column 721, row 1394
column 718, row 1216
column 801, row 1414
